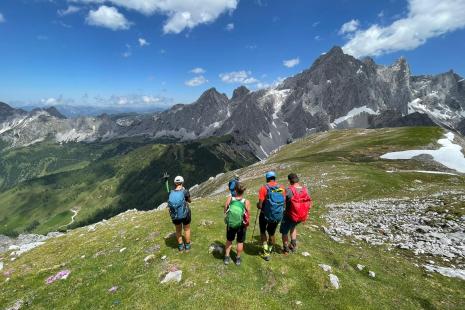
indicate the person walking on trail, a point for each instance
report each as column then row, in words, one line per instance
column 271, row 200
column 298, row 204
column 237, row 210
column 232, row 185
column 178, row 206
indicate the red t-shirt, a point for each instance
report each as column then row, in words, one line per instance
column 262, row 192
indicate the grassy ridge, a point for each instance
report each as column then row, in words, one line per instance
column 97, row 264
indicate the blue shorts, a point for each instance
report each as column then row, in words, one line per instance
column 286, row 225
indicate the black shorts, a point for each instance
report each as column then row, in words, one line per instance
column 265, row 226
column 184, row 221
column 232, row 232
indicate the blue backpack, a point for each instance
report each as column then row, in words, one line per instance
column 177, row 205
column 274, row 203
column 232, row 187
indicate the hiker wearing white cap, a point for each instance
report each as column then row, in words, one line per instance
column 178, row 205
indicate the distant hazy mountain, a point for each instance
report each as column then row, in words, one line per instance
column 337, row 91
column 72, row 111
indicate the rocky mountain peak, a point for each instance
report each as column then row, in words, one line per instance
column 401, row 65
column 5, row 108
column 335, row 50
column 240, row 92
column 54, row 112
column 212, row 97
column 7, row 111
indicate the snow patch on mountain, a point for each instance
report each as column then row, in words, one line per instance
column 440, row 112
column 449, row 154
column 354, row 112
column 277, row 99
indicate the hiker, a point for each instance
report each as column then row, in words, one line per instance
column 232, row 185
column 178, row 206
column 237, row 210
column 271, row 199
column 298, row 204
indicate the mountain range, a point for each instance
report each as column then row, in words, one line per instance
column 337, row 91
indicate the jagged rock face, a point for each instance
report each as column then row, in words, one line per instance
column 198, row 119
column 391, row 118
column 461, row 127
column 337, row 91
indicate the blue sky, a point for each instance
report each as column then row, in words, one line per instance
column 145, row 52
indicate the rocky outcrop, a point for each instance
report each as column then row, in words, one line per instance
column 406, row 224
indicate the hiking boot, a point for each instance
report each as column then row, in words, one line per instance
column 286, row 250
column 267, row 257
column 293, row 246
column 187, row 246
column 238, row 261
column 181, row 247
column 227, row 260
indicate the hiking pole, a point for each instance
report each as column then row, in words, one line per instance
column 166, row 177
column 256, row 218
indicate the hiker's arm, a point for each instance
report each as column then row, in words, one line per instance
column 167, row 186
column 188, row 196
column 247, row 205
column 226, row 205
column 261, row 197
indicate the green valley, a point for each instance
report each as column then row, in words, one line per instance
column 43, row 183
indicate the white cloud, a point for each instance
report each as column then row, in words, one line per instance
column 2, row 19
column 350, row 26
column 242, row 76
column 291, row 62
column 425, row 19
column 315, row 24
column 49, row 101
column 131, row 100
column 198, row 70
column 182, row 14
column 108, row 17
column 229, row 27
column 150, row 99
column 196, row 81
column 69, row 10
column 143, row 42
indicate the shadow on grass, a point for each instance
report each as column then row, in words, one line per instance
column 172, row 241
column 219, row 254
column 253, row 246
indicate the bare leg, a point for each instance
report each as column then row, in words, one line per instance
column 294, row 239
column 285, row 240
column 187, row 232
column 294, row 233
column 272, row 240
column 228, row 247
column 240, row 248
column 179, row 233
column 263, row 237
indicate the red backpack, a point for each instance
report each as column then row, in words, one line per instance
column 301, row 202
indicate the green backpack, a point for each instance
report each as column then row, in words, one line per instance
column 235, row 213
